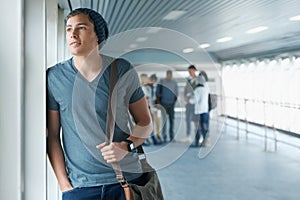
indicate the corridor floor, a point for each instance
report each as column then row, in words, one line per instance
column 234, row 170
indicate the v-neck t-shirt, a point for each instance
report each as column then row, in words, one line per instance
column 82, row 105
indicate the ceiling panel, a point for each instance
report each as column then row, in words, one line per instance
column 205, row 21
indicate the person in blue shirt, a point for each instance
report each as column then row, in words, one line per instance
column 166, row 93
column 77, row 101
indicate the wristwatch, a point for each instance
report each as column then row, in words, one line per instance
column 130, row 146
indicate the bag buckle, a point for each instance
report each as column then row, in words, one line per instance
column 123, row 182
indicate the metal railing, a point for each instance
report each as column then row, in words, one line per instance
column 242, row 103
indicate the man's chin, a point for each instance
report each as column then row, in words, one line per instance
column 75, row 53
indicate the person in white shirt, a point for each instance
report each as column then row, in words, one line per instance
column 201, row 93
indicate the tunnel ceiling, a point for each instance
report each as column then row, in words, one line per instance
column 204, row 21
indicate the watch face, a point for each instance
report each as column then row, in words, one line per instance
column 131, row 146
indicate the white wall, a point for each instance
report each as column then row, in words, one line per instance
column 53, row 50
column 22, row 102
column 10, row 100
column 34, row 96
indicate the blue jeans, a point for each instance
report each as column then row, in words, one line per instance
column 104, row 192
column 189, row 114
column 202, row 129
column 169, row 111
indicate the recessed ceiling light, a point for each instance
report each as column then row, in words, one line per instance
column 141, row 39
column 154, row 30
column 188, row 50
column 224, row 39
column 204, row 45
column 173, row 15
column 257, row 29
column 295, row 18
column 132, row 46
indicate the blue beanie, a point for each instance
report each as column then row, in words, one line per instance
column 100, row 24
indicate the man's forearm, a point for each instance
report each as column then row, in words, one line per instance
column 140, row 133
column 56, row 157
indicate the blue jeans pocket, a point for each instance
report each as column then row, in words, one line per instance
column 70, row 194
column 69, row 190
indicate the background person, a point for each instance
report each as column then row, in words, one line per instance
column 189, row 99
column 147, row 91
column 201, row 110
column 154, row 109
column 166, row 94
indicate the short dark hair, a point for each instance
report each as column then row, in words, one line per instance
column 153, row 77
column 192, row 67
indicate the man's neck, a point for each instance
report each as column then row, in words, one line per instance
column 89, row 66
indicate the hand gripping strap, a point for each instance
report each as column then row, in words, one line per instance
column 110, row 120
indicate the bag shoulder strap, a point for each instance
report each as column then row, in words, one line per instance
column 112, row 102
column 110, row 120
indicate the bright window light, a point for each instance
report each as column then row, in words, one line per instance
column 261, row 63
column 297, row 62
column 173, row 15
column 273, row 63
column 257, row 29
column 295, row 18
column 188, row 50
column 203, row 46
column 242, row 65
column 224, row 39
column 276, row 87
column 285, row 61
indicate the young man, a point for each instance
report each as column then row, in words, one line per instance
column 166, row 93
column 154, row 109
column 77, row 101
column 189, row 99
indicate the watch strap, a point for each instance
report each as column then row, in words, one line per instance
column 130, row 145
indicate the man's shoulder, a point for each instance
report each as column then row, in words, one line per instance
column 124, row 64
column 58, row 68
column 60, row 65
column 174, row 82
column 124, row 67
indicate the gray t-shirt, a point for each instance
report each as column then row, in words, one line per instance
column 83, row 106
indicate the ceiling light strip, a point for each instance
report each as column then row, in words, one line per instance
column 224, row 39
column 257, row 29
column 188, row 50
column 295, row 18
column 173, row 15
